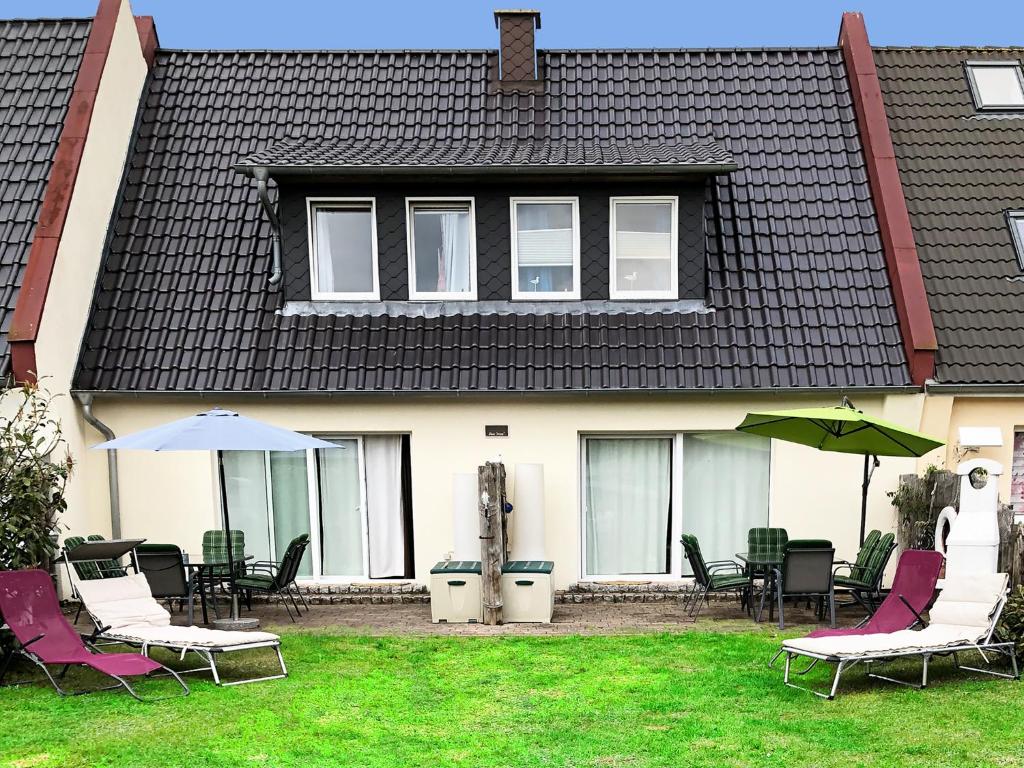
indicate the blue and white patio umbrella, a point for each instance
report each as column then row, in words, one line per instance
column 217, row 430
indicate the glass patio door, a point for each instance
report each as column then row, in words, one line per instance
column 341, row 543
column 627, row 505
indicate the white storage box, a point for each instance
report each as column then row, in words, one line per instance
column 526, row 591
column 455, row 592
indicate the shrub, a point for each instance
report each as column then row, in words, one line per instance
column 1011, row 624
column 34, row 468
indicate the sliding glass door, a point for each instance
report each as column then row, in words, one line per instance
column 627, row 506
column 350, row 500
column 640, row 493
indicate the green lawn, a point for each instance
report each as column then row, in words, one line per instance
column 686, row 699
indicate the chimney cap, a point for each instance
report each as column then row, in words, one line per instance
column 517, row 12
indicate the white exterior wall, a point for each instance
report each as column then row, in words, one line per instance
column 173, row 497
column 78, row 260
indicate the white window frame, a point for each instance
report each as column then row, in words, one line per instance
column 677, row 555
column 1014, row 220
column 313, row 204
column 672, row 292
column 414, row 293
column 979, row 102
column 518, row 295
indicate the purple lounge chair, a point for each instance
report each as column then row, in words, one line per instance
column 28, row 603
column 916, row 574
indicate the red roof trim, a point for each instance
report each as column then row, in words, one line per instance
column 891, row 206
column 67, row 159
column 147, row 38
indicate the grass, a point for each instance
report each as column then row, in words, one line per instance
column 686, row 699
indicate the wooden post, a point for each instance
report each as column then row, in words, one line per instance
column 492, row 537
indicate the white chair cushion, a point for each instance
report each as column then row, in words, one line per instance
column 123, row 601
column 188, row 636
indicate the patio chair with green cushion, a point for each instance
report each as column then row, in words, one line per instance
column 93, row 569
column 277, row 578
column 765, row 541
column 215, row 549
column 862, row 579
column 711, row 576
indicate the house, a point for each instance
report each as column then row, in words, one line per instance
column 595, row 260
column 956, row 116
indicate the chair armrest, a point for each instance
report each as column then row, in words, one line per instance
column 718, row 565
column 94, row 635
column 35, row 639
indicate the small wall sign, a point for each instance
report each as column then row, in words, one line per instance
column 496, row 430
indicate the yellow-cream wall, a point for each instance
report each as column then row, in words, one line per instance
column 172, row 497
column 78, row 260
column 945, row 414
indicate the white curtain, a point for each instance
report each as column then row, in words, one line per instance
column 341, row 513
column 245, row 473
column 383, row 456
column 453, row 257
column 289, row 493
column 725, row 490
column 628, row 492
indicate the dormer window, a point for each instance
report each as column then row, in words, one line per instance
column 545, row 248
column 442, row 249
column 343, row 249
column 644, row 248
column 996, row 85
column 1016, row 221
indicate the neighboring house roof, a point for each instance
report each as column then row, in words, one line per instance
column 797, row 283
column 544, row 155
column 39, row 62
column 960, row 171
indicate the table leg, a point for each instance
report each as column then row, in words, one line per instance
column 202, row 594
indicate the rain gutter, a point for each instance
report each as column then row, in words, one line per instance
column 85, row 401
column 262, row 177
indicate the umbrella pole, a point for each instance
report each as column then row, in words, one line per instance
column 868, row 472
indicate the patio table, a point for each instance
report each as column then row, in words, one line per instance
column 765, row 562
column 204, row 570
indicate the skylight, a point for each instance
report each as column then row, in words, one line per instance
column 996, row 85
column 1016, row 221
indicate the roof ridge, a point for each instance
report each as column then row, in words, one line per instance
column 286, row 51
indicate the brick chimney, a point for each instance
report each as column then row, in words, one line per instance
column 517, row 52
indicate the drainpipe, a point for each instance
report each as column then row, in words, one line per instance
column 262, row 177
column 85, row 400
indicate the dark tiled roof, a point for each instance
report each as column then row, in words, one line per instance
column 542, row 154
column 960, row 171
column 796, row 274
column 38, row 64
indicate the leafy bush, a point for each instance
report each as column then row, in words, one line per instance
column 1011, row 624
column 918, row 501
column 34, row 468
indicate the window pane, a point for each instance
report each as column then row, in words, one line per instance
column 1017, row 224
column 245, row 475
column 1017, row 474
column 341, row 515
column 643, row 246
column 441, row 240
column 290, row 494
column 718, row 509
column 628, row 491
column 544, row 239
column 999, row 86
column 344, row 249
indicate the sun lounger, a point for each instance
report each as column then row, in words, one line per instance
column 963, row 619
column 125, row 611
column 28, row 603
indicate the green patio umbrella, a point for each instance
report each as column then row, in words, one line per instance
column 842, row 429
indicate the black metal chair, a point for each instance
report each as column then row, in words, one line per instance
column 862, row 579
column 163, row 565
column 806, row 572
column 277, row 578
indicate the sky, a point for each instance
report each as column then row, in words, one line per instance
column 565, row 23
